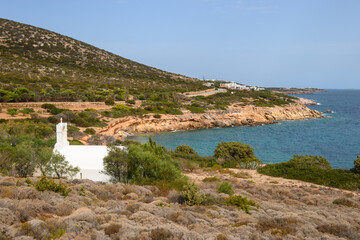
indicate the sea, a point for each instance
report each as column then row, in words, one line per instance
column 335, row 137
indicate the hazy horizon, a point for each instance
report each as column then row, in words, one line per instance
column 265, row 43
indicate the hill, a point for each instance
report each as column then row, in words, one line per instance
column 56, row 67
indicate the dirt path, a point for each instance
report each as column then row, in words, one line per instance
column 205, row 93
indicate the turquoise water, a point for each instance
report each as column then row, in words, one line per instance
column 336, row 137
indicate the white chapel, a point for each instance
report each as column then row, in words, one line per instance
column 89, row 158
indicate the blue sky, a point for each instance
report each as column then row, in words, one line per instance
column 287, row 43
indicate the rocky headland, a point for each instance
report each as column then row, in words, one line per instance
column 288, row 209
column 236, row 115
column 306, row 101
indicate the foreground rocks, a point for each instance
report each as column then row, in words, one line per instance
column 236, row 115
column 288, row 210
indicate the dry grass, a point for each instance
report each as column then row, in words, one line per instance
column 339, row 230
column 8, row 192
column 112, row 229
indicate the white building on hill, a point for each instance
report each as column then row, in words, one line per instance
column 88, row 158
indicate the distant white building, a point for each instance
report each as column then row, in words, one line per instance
column 234, row 85
column 88, row 158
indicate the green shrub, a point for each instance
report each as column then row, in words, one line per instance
column 122, row 107
column 81, row 191
column 51, row 108
column 130, row 101
column 157, row 116
column 356, row 168
column 143, row 164
column 196, row 109
column 75, row 142
column 90, row 131
column 211, row 179
column 27, row 110
column 109, row 102
column 191, row 194
column 87, row 119
column 243, row 203
column 46, row 184
column 310, row 161
column 226, row 188
column 236, row 154
column 314, row 173
column 185, row 149
column 12, row 111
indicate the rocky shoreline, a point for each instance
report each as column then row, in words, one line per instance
column 235, row 116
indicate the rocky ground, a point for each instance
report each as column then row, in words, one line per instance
column 288, row 209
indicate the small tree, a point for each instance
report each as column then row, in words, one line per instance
column 356, row 168
column 116, row 165
column 24, row 160
column 59, row 167
column 6, row 158
column 185, row 149
column 235, row 154
column 43, row 160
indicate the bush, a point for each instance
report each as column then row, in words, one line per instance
column 191, row 195
column 146, row 164
column 27, row 110
column 236, row 154
column 12, row 111
column 241, row 202
column 157, row 116
column 211, row 179
column 109, row 102
column 122, row 107
column 90, row 131
column 51, row 108
column 185, row 149
column 46, row 184
column 310, row 161
column 226, row 188
column 314, row 173
column 356, row 168
column 130, row 101
column 196, row 109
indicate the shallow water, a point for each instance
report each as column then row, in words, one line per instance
column 335, row 137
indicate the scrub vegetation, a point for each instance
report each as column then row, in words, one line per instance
column 314, row 169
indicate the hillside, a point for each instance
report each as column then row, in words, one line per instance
column 288, row 209
column 56, row 67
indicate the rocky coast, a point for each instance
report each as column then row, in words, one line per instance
column 236, row 115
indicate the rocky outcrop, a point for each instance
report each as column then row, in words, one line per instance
column 234, row 116
column 306, row 101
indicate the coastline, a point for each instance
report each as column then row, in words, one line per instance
column 235, row 116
